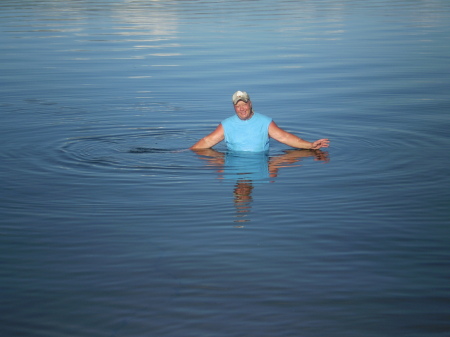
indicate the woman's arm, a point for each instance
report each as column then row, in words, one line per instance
column 287, row 138
column 210, row 140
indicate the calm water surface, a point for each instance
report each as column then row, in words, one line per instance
column 110, row 227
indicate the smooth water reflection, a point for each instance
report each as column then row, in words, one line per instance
column 111, row 227
column 246, row 170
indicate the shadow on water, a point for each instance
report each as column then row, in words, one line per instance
column 149, row 150
column 246, row 170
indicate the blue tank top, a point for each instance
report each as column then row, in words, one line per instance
column 249, row 135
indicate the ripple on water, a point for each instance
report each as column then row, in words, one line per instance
column 368, row 162
column 126, row 152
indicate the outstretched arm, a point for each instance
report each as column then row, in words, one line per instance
column 287, row 138
column 210, row 140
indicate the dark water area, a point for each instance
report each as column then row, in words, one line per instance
column 110, row 226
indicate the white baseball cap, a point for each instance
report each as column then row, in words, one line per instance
column 240, row 96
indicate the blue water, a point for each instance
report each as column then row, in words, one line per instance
column 110, row 226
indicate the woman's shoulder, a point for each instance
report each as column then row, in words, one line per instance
column 262, row 117
column 230, row 119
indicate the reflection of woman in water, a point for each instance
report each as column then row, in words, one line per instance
column 242, row 199
column 248, row 169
